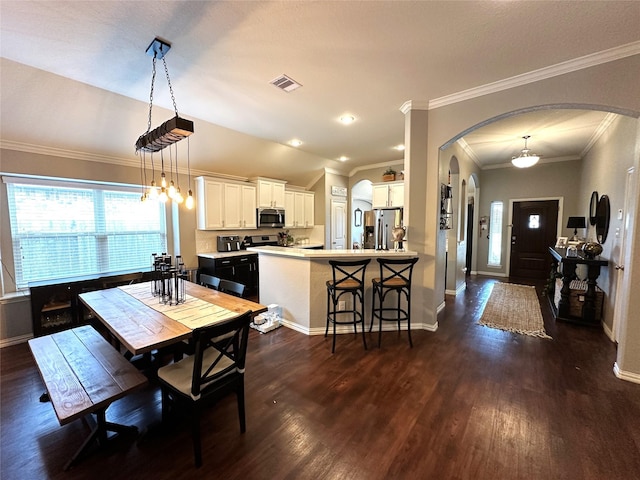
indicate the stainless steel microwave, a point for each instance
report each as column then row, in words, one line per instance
column 270, row 217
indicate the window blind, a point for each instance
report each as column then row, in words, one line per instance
column 71, row 229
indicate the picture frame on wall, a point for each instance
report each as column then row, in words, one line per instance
column 562, row 242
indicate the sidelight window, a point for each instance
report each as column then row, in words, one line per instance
column 495, row 235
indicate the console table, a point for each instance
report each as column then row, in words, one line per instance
column 559, row 256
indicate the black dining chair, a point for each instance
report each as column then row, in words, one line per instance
column 215, row 370
column 395, row 278
column 209, row 281
column 231, row 287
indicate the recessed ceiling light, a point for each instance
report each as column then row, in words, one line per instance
column 295, row 142
column 399, row 147
column 343, row 158
column 347, row 119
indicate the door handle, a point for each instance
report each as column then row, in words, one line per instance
column 619, row 267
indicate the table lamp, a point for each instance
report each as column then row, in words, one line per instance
column 576, row 223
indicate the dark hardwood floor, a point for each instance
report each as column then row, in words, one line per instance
column 467, row 402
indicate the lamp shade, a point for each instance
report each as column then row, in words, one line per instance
column 576, row 222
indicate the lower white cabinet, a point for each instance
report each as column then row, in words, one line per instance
column 299, row 209
column 225, row 205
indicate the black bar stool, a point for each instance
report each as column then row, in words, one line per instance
column 395, row 276
column 348, row 278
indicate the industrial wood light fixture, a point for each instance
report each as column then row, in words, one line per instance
column 167, row 134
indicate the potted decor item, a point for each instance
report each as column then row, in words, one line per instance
column 389, row 175
column 591, row 249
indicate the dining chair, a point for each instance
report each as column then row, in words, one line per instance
column 395, row 278
column 215, row 370
column 209, row 281
column 232, row 288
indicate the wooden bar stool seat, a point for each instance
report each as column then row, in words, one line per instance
column 348, row 279
column 395, row 278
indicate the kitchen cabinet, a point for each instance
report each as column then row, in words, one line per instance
column 239, row 206
column 242, row 268
column 209, row 204
column 299, row 209
column 270, row 193
column 225, row 205
column 388, row 195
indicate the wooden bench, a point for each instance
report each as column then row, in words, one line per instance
column 83, row 375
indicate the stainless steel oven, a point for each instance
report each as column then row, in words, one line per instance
column 270, row 218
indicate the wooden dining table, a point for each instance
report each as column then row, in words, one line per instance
column 142, row 323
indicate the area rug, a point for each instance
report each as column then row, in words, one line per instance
column 514, row 308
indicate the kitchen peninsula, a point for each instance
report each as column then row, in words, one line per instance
column 295, row 279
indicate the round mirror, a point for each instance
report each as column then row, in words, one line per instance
column 602, row 219
column 593, row 208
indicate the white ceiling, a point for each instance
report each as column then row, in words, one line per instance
column 359, row 57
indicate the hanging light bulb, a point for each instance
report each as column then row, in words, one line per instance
column 153, row 191
column 172, row 190
column 163, row 195
column 163, row 180
column 178, row 198
column 189, row 203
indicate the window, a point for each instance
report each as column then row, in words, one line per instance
column 495, row 235
column 70, row 229
column 534, row 221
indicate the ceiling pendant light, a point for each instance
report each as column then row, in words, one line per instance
column 167, row 134
column 174, row 129
column 525, row 159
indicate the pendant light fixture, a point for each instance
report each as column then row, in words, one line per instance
column 526, row 158
column 166, row 135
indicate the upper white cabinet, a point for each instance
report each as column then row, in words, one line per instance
column 299, row 209
column 239, row 206
column 209, row 210
column 388, row 195
column 225, row 205
column 270, row 193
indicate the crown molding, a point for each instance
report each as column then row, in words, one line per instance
column 409, row 105
column 93, row 157
column 604, row 125
column 469, row 151
column 375, row 165
column 562, row 68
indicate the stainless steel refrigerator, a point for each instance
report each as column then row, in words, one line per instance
column 385, row 221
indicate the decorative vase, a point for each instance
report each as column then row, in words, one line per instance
column 591, row 249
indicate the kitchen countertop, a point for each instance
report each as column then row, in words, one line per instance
column 345, row 253
column 236, row 253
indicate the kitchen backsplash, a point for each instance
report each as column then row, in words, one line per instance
column 206, row 240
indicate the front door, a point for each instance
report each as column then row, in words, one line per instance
column 534, row 227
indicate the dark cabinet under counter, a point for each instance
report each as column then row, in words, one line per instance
column 240, row 267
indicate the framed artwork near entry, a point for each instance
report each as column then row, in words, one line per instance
column 562, row 242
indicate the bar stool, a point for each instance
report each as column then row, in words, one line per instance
column 395, row 276
column 348, row 278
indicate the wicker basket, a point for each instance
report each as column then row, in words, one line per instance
column 576, row 297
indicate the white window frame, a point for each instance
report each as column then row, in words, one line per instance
column 94, row 249
column 494, row 254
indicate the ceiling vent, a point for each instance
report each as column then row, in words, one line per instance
column 285, row 83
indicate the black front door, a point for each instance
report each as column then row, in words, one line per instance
column 534, row 231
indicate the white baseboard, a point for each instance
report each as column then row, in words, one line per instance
column 628, row 376
column 493, row 274
column 344, row 329
column 6, row 342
